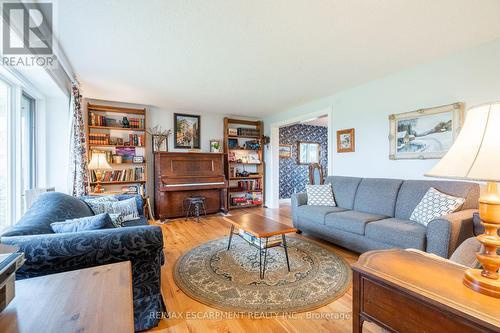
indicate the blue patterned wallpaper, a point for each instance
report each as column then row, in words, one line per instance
column 294, row 177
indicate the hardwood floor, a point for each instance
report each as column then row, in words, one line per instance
column 188, row 315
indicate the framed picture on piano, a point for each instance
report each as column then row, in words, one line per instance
column 186, row 131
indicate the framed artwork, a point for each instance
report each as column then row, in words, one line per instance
column 425, row 133
column 346, row 141
column 307, row 152
column 215, row 146
column 186, row 131
column 285, row 151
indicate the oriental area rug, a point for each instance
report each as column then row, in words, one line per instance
column 230, row 281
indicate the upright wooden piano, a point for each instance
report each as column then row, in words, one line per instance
column 180, row 175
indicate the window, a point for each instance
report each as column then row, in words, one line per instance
column 4, row 158
column 308, row 152
column 27, row 146
column 17, row 148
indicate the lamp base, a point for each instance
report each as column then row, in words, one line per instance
column 475, row 281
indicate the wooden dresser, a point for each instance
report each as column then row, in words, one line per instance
column 179, row 175
column 96, row 299
column 407, row 291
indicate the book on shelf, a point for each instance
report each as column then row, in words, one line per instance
column 253, row 185
column 136, row 140
column 271, row 241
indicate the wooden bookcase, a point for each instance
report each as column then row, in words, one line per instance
column 240, row 157
column 110, row 128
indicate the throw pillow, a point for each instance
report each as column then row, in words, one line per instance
column 117, row 220
column 126, row 208
column 102, row 204
column 320, row 195
column 95, row 222
column 435, row 204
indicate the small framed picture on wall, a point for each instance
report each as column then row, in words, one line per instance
column 345, row 141
column 215, row 146
column 285, row 151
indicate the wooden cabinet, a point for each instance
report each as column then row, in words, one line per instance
column 408, row 291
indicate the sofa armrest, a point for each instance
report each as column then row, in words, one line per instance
column 53, row 253
column 298, row 199
column 446, row 233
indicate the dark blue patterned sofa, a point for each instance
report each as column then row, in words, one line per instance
column 47, row 252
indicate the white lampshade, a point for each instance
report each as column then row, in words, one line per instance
column 99, row 162
column 475, row 155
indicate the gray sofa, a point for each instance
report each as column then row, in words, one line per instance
column 373, row 213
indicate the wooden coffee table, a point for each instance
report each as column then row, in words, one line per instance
column 262, row 228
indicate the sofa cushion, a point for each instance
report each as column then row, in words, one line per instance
column 377, row 196
column 320, row 195
column 94, row 222
column 398, row 232
column 100, row 205
column 50, row 207
column 351, row 221
column 412, row 191
column 344, row 190
column 316, row 213
column 120, row 197
column 135, row 223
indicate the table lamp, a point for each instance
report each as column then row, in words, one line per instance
column 475, row 155
column 99, row 164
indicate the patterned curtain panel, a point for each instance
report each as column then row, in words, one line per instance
column 78, row 152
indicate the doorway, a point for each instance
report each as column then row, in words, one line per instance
column 290, row 174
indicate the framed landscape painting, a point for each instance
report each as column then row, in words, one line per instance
column 426, row 133
column 186, row 131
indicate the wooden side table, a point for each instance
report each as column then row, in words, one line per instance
column 408, row 291
column 96, row 299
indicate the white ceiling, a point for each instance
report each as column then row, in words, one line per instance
column 255, row 57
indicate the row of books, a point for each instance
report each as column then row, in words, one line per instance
column 100, row 120
column 132, row 174
column 99, row 138
column 137, row 140
column 105, row 139
column 255, row 184
column 248, row 132
column 136, row 122
column 271, row 241
column 97, row 120
column 245, row 199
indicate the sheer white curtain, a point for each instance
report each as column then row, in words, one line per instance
column 78, row 153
